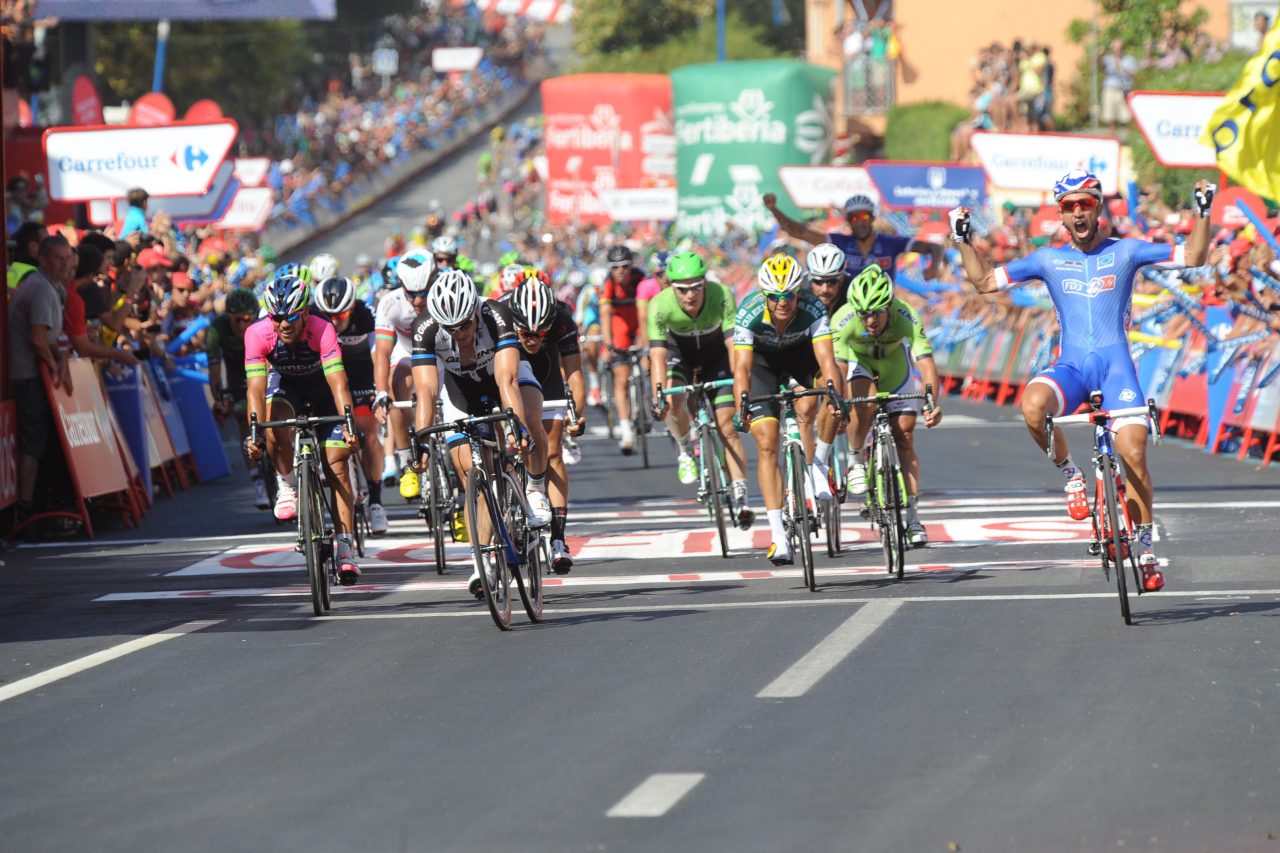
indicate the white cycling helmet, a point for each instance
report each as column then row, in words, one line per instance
column 445, row 244
column 323, row 266
column 414, row 271
column 335, row 295
column 453, row 299
column 532, row 304
column 511, row 275
column 780, row 274
column 825, row 260
column 363, row 260
column 575, row 279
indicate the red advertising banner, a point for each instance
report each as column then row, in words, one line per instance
column 8, row 453
column 86, row 104
column 605, row 132
column 88, row 433
column 203, row 110
column 152, row 109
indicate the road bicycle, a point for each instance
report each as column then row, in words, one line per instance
column 839, row 492
column 637, row 382
column 604, row 382
column 315, row 511
column 361, row 527
column 496, row 491
column 1113, row 533
column 437, row 494
column 709, row 453
column 798, row 517
column 570, row 420
column 886, row 500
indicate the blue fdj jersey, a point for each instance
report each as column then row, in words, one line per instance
column 1091, row 291
column 884, row 251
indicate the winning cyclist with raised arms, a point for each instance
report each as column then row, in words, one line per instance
column 1091, row 284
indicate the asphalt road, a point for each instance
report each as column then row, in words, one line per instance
column 168, row 689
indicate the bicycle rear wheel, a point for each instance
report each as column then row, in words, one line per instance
column 529, row 579
column 835, row 505
column 709, row 458
column 268, row 469
column 639, row 414
column 606, row 402
column 1116, row 544
column 311, row 529
column 525, row 545
column 897, row 502
column 497, row 589
column 800, row 514
column 437, row 495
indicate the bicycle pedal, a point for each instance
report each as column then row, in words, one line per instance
column 1094, row 549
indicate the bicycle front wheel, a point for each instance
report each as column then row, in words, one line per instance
column 527, row 544
column 437, row 495
column 490, row 559
column 311, row 530
column 709, row 459
column 640, row 415
column 800, row 514
column 896, row 502
column 1116, row 545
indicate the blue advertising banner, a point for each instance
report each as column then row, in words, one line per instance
column 124, row 392
column 928, row 186
column 168, row 408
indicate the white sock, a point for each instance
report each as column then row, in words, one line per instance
column 682, row 442
column 856, row 456
column 1068, row 467
column 402, row 458
column 822, row 454
column 290, row 479
column 388, row 462
column 912, row 517
column 775, row 527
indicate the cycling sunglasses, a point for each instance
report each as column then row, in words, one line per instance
column 243, row 318
column 415, row 294
column 285, row 318
column 334, row 318
column 1087, row 203
column 530, row 333
column 689, row 286
column 826, row 282
column 867, row 315
column 457, row 327
column 861, row 215
column 781, row 297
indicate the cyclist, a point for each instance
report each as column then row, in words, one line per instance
column 549, row 343
column 475, row 343
column 691, row 340
column 392, row 351
column 781, row 334
column 292, row 361
column 587, row 315
column 825, row 264
column 876, row 339
column 1091, row 284
column 444, row 251
column 323, row 266
column 335, row 300
column 863, row 245
column 224, row 347
column 649, row 288
column 618, row 319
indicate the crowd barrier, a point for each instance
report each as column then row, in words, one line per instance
column 126, row 432
column 1218, row 391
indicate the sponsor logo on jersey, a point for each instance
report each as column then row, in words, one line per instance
column 1060, row 264
column 1091, row 288
column 1107, row 261
column 1128, row 395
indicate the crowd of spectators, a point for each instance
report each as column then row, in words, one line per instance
column 1011, row 89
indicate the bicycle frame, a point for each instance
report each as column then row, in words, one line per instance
column 713, row 475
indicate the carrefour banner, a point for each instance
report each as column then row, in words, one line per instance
column 736, row 123
column 607, row 136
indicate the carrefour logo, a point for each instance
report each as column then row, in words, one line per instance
column 119, row 162
column 1090, row 288
column 190, row 157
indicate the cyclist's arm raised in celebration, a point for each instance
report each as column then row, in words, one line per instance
column 798, row 230
column 935, row 254
column 977, row 270
column 1197, row 245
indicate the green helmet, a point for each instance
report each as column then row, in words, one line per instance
column 465, row 264
column 509, row 258
column 871, row 290
column 242, row 301
column 685, row 265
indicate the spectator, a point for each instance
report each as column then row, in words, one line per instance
column 1030, row 85
column 35, row 321
column 1261, row 25
column 1117, row 81
column 1044, row 107
column 90, row 265
column 23, row 203
column 26, row 240
column 135, row 218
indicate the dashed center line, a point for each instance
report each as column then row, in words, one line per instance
column 656, row 795
column 825, row 656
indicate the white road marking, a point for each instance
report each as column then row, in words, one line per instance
column 1237, row 596
column 656, row 795
column 835, row 647
column 66, row 670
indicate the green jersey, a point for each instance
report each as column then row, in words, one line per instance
column 669, row 325
column 852, row 343
column 754, row 329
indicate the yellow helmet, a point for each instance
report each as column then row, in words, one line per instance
column 780, row 274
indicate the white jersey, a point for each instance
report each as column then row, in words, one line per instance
column 395, row 317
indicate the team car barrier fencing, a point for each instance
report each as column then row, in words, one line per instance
column 1220, row 391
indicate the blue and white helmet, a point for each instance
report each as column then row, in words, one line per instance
column 1077, row 181
column 414, row 271
column 286, row 295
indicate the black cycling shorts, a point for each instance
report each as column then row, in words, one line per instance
column 770, row 371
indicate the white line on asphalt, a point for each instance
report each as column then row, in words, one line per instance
column 66, row 670
column 656, row 795
column 1237, row 597
column 835, row 647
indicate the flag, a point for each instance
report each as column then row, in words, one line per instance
column 1245, row 128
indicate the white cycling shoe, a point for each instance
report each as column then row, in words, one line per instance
column 539, row 508
column 377, row 519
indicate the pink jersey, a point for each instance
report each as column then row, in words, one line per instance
column 648, row 289
column 316, row 354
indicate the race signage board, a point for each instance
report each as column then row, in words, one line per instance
column 190, row 210
column 640, row 205
column 248, row 210
column 928, row 186
column 1035, row 161
column 252, row 171
column 456, row 58
column 1172, row 123
column 180, row 159
column 386, row 61
column 825, row 186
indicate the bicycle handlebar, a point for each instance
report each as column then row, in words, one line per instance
column 1099, row 417
column 466, row 425
column 299, row 422
column 695, row 387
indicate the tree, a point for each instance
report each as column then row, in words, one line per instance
column 603, row 27
column 742, row 41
